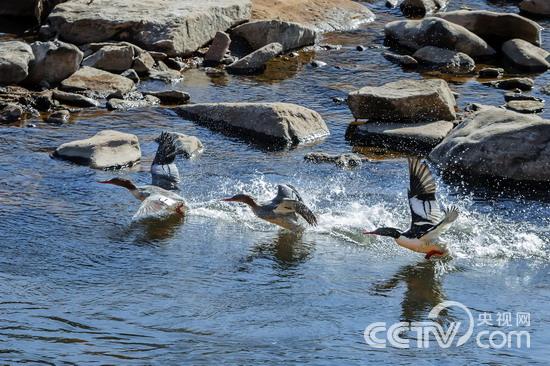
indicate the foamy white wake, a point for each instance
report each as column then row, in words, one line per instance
column 344, row 215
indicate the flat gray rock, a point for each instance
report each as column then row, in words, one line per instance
column 492, row 26
column 524, row 84
column 278, row 123
column 97, row 82
column 175, row 27
column 14, row 62
column 74, row 99
column 404, row 101
column 496, row 143
column 437, row 32
column 525, row 106
column 106, row 149
column 416, row 137
column 290, row 35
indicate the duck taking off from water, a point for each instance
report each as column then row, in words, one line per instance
column 428, row 221
column 156, row 201
column 283, row 210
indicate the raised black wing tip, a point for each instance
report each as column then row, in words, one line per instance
column 422, row 182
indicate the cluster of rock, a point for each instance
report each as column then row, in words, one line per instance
column 408, row 115
column 450, row 42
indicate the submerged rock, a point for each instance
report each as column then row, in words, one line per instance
column 74, row 99
column 537, row 7
column 106, row 149
column 59, row 117
column 496, row 27
column 10, row 112
column 97, row 81
column 342, row 160
column 526, row 56
column 491, row 72
column 404, row 101
column 53, row 62
column 415, row 34
column 264, row 32
column 524, row 84
column 403, row 60
column 170, row 96
column 415, row 137
column 219, row 47
column 175, row 27
column 186, row 145
column 255, row 62
column 444, row 60
column 14, row 62
column 422, row 7
column 526, row 106
column 496, row 143
column 279, row 123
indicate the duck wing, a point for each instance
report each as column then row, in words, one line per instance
column 156, row 205
column 164, row 172
column 425, row 210
column 290, row 206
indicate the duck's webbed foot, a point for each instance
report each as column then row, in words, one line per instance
column 434, row 252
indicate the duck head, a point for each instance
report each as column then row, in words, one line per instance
column 243, row 198
column 121, row 183
column 385, row 231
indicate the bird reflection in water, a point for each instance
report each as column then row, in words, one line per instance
column 423, row 289
column 287, row 249
column 152, row 231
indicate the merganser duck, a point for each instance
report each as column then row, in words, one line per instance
column 283, row 210
column 428, row 221
column 158, row 199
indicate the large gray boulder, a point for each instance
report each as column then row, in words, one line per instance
column 422, row 7
column 537, row 7
column 175, row 27
column 279, row 123
column 255, row 61
column 492, row 26
column 263, row 32
column 526, row 56
column 404, row 101
column 106, row 149
column 413, row 137
column 496, row 143
column 98, row 82
column 14, row 61
column 447, row 61
column 437, row 32
column 53, row 61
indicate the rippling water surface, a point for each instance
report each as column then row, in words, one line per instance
column 82, row 284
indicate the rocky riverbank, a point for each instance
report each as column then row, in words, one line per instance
column 98, row 55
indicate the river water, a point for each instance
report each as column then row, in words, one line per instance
column 82, row 284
